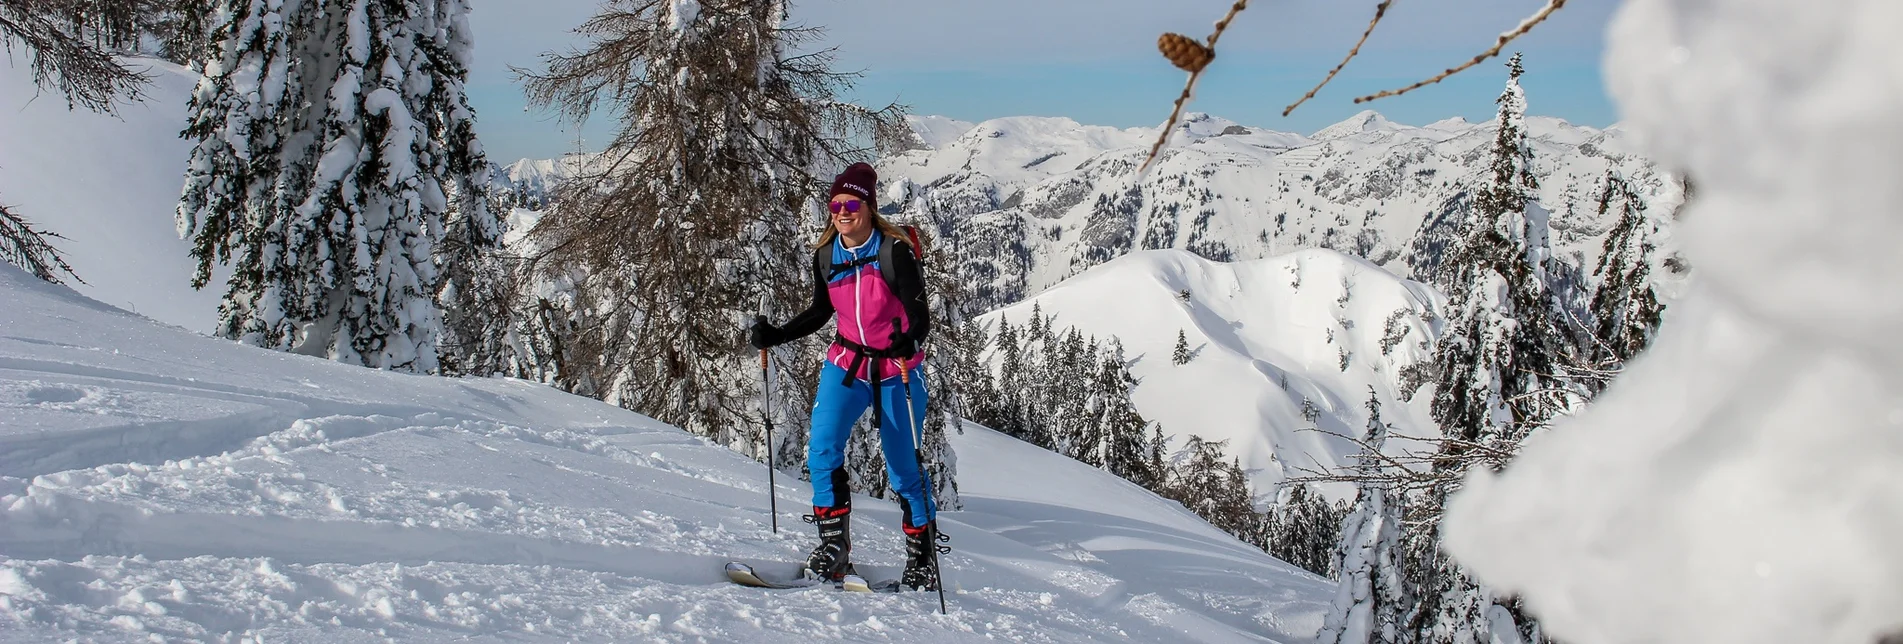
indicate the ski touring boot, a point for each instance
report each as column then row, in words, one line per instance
column 831, row 560
column 921, row 555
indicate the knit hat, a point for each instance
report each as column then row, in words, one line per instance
column 859, row 180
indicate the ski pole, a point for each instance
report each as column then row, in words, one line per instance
column 766, row 412
column 918, row 453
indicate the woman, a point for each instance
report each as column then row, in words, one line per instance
column 881, row 323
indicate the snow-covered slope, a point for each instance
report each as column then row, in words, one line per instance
column 108, row 184
column 1266, row 335
column 154, row 483
column 1028, row 201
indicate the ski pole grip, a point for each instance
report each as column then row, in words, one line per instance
column 763, row 362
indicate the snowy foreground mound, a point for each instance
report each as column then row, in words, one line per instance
column 1265, row 337
column 1743, row 483
column 158, row 483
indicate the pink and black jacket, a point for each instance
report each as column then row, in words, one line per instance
column 854, row 285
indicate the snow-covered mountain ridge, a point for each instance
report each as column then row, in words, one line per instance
column 1026, row 202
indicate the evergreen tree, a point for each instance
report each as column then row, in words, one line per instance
column 1180, row 355
column 1371, row 599
column 1498, row 361
column 1124, row 448
column 1009, row 417
column 1625, row 306
column 184, row 30
column 694, row 218
column 1303, row 528
column 1158, row 471
column 1212, row 487
column 1496, row 364
column 329, row 137
column 1070, row 398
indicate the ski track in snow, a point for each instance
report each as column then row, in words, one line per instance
column 161, row 486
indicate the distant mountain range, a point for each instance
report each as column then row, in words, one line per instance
column 1026, row 202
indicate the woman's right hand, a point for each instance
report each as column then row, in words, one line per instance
column 762, row 334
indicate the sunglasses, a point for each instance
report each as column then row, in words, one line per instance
column 848, row 206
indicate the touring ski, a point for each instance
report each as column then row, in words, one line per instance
column 746, row 575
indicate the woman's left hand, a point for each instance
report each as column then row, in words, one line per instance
column 901, row 345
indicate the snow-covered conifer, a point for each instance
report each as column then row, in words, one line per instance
column 1122, row 442
column 1497, row 364
column 1371, row 597
column 330, row 135
column 1181, row 355
column 1625, row 306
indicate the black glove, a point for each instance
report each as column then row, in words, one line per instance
column 763, row 334
column 901, row 345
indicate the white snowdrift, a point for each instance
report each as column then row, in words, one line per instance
column 1744, row 482
column 1265, row 335
column 108, row 184
column 158, row 484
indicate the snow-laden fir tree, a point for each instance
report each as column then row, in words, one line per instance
column 1371, row 595
column 1625, row 307
column 1181, row 355
column 1071, row 366
column 1213, row 487
column 329, row 137
column 1123, row 445
column 1302, row 528
column 1497, row 364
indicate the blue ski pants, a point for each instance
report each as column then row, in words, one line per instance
column 837, row 408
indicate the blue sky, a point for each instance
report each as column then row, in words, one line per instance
column 1095, row 60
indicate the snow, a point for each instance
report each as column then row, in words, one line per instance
column 108, row 183
column 1252, row 326
column 156, row 484
column 1740, row 483
column 1365, row 121
column 937, row 131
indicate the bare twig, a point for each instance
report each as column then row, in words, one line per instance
column 1525, row 26
column 1190, row 86
column 1379, row 11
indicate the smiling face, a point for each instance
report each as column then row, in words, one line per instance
column 851, row 217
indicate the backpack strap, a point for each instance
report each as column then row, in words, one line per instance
column 822, row 257
column 885, row 255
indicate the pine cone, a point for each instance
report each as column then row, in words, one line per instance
column 1187, row 54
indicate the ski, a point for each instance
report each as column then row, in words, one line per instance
column 746, row 575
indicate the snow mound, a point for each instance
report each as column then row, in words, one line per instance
column 108, row 184
column 1743, row 482
column 158, row 485
column 1266, row 336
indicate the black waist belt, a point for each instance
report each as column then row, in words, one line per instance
column 860, row 355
